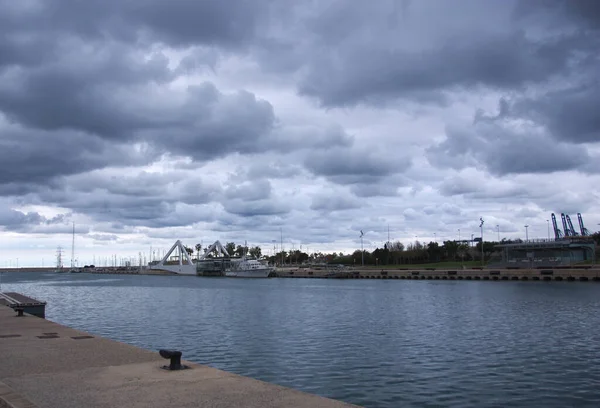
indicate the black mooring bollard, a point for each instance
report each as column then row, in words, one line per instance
column 175, row 357
column 19, row 311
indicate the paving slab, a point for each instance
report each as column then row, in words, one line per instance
column 43, row 366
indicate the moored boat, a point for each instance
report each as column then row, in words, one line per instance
column 248, row 268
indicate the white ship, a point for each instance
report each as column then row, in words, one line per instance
column 247, row 268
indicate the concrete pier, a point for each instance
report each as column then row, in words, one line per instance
column 582, row 274
column 47, row 365
column 23, row 304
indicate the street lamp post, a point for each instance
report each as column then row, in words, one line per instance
column 548, row 222
column 498, row 229
column 526, row 232
column 362, row 251
column 481, row 227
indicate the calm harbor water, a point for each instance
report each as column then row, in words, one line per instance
column 376, row 343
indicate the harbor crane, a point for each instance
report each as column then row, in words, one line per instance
column 572, row 230
column 565, row 226
column 558, row 234
column 584, row 231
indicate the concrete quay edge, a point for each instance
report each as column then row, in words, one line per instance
column 47, row 365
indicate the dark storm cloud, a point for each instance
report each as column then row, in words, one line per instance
column 211, row 124
column 570, row 115
column 15, row 220
column 81, row 79
column 177, row 23
column 32, row 157
column 355, row 165
column 255, row 208
column 371, row 75
column 33, row 222
column 502, row 150
column 365, row 53
column 85, row 87
column 583, row 13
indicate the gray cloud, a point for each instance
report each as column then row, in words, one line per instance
column 250, row 191
column 336, row 200
column 504, row 150
column 32, row 157
column 34, row 223
column 103, row 237
column 355, row 165
column 179, row 23
column 570, row 115
column 351, row 53
column 255, row 208
column 153, row 120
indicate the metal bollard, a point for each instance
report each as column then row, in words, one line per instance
column 175, row 357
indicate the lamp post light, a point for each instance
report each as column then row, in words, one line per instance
column 526, row 232
column 498, row 229
column 548, row 223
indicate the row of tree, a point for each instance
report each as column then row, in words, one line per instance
column 392, row 253
column 231, row 249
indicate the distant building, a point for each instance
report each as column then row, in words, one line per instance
column 535, row 253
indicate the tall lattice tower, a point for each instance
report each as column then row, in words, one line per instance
column 59, row 260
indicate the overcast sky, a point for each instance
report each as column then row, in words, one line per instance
column 147, row 121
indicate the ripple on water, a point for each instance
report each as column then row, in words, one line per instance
column 372, row 343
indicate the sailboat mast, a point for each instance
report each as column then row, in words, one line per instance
column 282, row 260
column 73, row 248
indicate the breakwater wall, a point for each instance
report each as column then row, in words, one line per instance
column 546, row 274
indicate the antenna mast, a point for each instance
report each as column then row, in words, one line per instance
column 388, row 241
column 59, row 263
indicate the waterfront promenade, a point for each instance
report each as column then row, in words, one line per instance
column 47, row 365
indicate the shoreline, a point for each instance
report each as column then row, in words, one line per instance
column 583, row 274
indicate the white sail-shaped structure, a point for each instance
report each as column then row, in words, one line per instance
column 185, row 265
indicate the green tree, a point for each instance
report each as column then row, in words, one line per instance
column 240, row 250
column 434, row 252
column 198, row 248
column 230, row 248
column 488, row 249
column 451, row 249
column 255, row 252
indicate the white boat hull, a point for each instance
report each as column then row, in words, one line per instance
column 178, row 269
column 254, row 273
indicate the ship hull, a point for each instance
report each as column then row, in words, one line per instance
column 255, row 273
